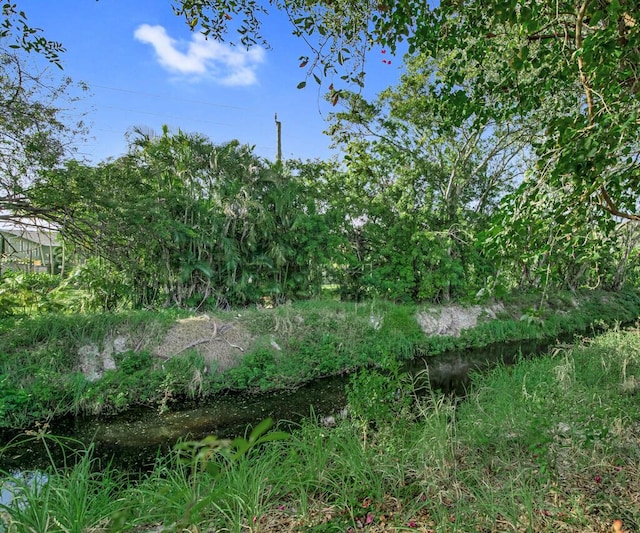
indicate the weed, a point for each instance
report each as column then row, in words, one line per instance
column 548, row 444
column 74, row 498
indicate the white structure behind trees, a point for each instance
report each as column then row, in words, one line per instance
column 28, row 245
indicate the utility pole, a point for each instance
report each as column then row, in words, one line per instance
column 278, row 139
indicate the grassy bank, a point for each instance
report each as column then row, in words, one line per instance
column 44, row 362
column 551, row 444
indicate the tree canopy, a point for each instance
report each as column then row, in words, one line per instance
column 582, row 55
column 507, row 157
column 36, row 129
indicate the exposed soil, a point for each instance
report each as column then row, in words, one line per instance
column 221, row 344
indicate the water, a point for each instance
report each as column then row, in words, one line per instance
column 133, row 440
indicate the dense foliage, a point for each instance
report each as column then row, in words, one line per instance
column 506, row 158
column 411, row 214
column 193, row 224
column 563, row 74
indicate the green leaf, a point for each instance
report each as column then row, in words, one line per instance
column 596, row 17
column 273, row 436
column 261, row 428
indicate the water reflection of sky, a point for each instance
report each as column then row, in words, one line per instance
column 15, row 482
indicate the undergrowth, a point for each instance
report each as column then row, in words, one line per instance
column 40, row 361
column 549, row 444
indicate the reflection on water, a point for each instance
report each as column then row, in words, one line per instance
column 133, row 440
column 226, row 416
column 12, row 488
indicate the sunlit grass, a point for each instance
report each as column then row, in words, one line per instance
column 491, row 463
column 549, row 444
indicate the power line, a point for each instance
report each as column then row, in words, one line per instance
column 200, row 102
column 162, row 115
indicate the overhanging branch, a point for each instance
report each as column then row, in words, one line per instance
column 612, row 208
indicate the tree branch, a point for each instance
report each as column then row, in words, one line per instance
column 612, row 208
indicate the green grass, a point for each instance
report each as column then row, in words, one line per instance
column 39, row 357
column 39, row 362
column 80, row 497
column 320, row 338
column 550, row 444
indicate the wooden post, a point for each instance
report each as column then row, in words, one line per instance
column 278, row 139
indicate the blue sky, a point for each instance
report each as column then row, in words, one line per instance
column 145, row 68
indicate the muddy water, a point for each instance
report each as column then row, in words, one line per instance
column 133, row 440
column 136, row 436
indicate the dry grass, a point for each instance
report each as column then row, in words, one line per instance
column 222, row 344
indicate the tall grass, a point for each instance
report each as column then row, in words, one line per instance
column 71, row 499
column 550, row 444
column 40, row 362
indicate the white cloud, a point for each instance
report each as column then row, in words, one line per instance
column 228, row 65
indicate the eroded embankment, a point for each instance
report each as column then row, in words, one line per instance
column 54, row 366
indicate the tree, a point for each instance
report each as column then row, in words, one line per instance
column 590, row 48
column 540, row 49
column 531, row 248
column 191, row 223
column 35, row 132
column 415, row 177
